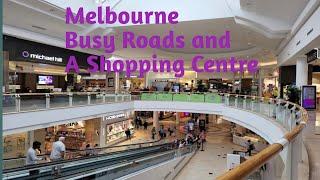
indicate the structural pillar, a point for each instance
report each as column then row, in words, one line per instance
column 301, row 72
column 116, row 82
column 146, row 80
column 156, row 123
column 177, row 124
column 102, row 139
column 30, row 137
column 260, row 83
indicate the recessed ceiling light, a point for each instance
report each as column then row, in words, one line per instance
column 249, row 43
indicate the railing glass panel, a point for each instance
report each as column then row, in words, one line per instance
column 59, row 100
column 79, row 99
column 9, row 103
column 31, row 103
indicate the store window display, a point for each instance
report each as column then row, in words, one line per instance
column 116, row 131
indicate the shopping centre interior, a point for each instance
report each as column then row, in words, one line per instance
column 203, row 125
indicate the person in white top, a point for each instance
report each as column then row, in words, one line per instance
column 58, row 150
column 32, row 154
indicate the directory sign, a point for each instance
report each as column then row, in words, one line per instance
column 308, row 97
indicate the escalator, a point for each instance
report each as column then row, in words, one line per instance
column 103, row 166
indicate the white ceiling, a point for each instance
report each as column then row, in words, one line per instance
column 245, row 42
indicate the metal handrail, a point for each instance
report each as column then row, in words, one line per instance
column 36, row 166
column 98, row 149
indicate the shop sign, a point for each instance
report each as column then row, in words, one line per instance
column 313, row 55
column 114, row 116
column 24, row 50
column 41, row 57
column 71, row 124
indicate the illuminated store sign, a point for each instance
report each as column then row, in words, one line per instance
column 313, row 55
column 71, row 124
column 114, row 116
column 26, row 54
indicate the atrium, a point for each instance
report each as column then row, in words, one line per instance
column 122, row 89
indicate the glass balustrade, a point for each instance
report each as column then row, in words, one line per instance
column 31, row 103
column 9, row 103
column 279, row 110
column 58, row 100
column 282, row 112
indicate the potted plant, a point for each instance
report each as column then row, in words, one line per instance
column 293, row 94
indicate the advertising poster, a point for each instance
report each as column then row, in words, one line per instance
column 309, row 98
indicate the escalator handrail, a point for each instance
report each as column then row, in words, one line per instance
column 37, row 166
column 101, row 148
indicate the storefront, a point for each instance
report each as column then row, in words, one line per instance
column 40, row 68
column 114, row 127
column 105, row 131
column 313, row 58
column 77, row 136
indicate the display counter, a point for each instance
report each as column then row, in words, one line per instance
column 115, row 132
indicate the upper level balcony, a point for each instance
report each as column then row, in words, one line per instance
column 276, row 120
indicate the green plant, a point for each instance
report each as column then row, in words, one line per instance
column 293, row 94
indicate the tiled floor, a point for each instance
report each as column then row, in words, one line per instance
column 311, row 136
column 212, row 162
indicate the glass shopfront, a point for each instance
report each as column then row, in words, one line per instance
column 115, row 126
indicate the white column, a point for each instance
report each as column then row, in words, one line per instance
column 156, row 123
column 233, row 82
column 260, row 82
column 102, row 139
column 116, row 82
column 30, row 139
column 146, row 80
column 177, row 124
column 241, row 74
column 301, row 72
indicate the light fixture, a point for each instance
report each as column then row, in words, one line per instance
column 100, row 1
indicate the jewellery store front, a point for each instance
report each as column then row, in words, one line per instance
column 113, row 128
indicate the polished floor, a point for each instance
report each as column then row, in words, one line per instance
column 212, row 162
column 311, row 137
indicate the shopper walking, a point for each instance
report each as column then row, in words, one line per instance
column 95, row 149
column 136, row 121
column 145, row 125
column 140, row 121
column 88, row 150
column 202, row 138
column 170, row 131
column 58, row 150
column 250, row 147
column 32, row 157
column 153, row 132
column 128, row 133
column 32, row 154
column 57, row 154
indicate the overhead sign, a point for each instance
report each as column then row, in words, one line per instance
column 313, row 55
